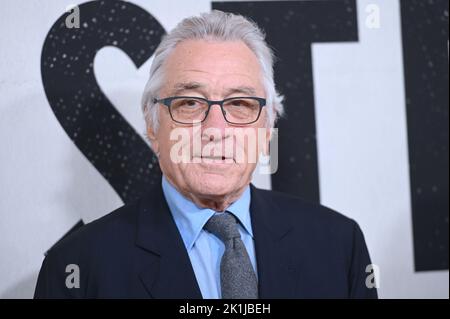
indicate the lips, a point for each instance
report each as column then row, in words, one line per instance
column 216, row 159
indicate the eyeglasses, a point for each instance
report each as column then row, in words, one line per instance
column 236, row 110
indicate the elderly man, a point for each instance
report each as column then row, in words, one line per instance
column 206, row 231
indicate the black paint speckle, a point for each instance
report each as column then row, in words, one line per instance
column 88, row 117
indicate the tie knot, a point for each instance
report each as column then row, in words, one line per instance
column 223, row 225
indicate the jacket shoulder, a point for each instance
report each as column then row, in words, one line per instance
column 300, row 210
column 108, row 229
column 89, row 251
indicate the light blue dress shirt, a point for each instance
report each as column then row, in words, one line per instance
column 204, row 249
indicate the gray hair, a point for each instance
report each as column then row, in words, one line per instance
column 214, row 25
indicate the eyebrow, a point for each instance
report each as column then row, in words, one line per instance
column 186, row 86
column 246, row 90
column 197, row 86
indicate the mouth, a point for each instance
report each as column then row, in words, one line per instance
column 215, row 159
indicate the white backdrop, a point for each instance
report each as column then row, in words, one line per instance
column 47, row 185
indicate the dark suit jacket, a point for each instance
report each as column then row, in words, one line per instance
column 303, row 250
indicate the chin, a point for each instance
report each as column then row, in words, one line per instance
column 213, row 184
column 213, row 180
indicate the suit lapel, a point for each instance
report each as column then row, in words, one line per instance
column 277, row 267
column 167, row 272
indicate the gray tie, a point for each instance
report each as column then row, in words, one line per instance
column 237, row 277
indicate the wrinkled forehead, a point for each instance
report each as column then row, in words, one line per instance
column 213, row 65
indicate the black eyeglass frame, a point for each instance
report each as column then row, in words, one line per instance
column 168, row 100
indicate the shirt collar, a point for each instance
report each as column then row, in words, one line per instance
column 190, row 218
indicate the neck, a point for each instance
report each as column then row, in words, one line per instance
column 217, row 203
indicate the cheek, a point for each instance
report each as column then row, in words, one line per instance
column 249, row 144
column 175, row 151
column 166, row 130
column 165, row 144
column 248, row 168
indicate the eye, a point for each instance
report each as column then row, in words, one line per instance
column 186, row 103
column 241, row 103
column 191, row 102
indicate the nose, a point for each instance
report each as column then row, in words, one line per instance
column 216, row 121
column 215, row 118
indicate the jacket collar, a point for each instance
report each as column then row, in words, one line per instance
column 168, row 271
